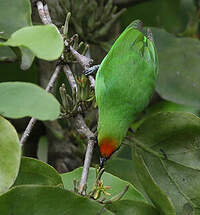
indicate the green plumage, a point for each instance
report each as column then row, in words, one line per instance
column 125, row 82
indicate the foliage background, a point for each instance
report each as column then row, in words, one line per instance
column 162, row 169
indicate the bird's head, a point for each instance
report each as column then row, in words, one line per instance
column 107, row 146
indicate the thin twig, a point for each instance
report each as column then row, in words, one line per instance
column 100, row 173
column 84, row 61
column 98, row 178
column 86, row 166
column 70, row 78
column 33, row 120
column 28, row 130
column 81, row 127
column 53, row 79
column 84, row 130
column 47, row 14
column 44, row 13
column 79, row 121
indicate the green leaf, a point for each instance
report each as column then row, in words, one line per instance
column 117, row 185
column 42, row 151
column 179, row 77
column 43, row 200
column 13, row 16
column 33, row 171
column 158, row 197
column 153, row 13
column 10, row 154
column 124, row 169
column 130, row 207
column 20, row 99
column 165, row 106
column 6, row 54
column 167, row 159
column 44, row 41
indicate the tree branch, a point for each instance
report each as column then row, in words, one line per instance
column 84, row 61
column 43, row 13
column 28, row 130
column 33, row 120
column 84, row 130
column 70, row 78
column 81, row 127
column 47, row 14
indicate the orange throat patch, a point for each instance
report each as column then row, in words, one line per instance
column 107, row 146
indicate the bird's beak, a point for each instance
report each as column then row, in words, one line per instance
column 102, row 162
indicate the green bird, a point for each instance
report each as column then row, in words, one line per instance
column 125, row 82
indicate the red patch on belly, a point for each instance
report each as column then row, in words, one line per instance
column 107, row 147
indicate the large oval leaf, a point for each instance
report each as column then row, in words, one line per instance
column 21, row 9
column 179, row 77
column 125, row 170
column 43, row 200
column 44, row 41
column 167, row 158
column 130, row 207
column 162, row 202
column 116, row 184
column 33, row 171
column 10, row 154
column 8, row 25
column 19, row 99
column 165, row 106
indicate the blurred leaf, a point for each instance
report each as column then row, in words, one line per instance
column 167, row 159
column 157, row 196
column 44, row 41
column 10, row 154
column 20, row 99
column 12, row 72
column 43, row 200
column 42, row 152
column 165, row 106
column 117, row 185
column 124, row 169
column 123, row 152
column 13, row 16
column 130, row 207
column 8, row 25
column 33, row 171
column 27, row 58
column 173, row 15
column 179, row 77
column 6, row 54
